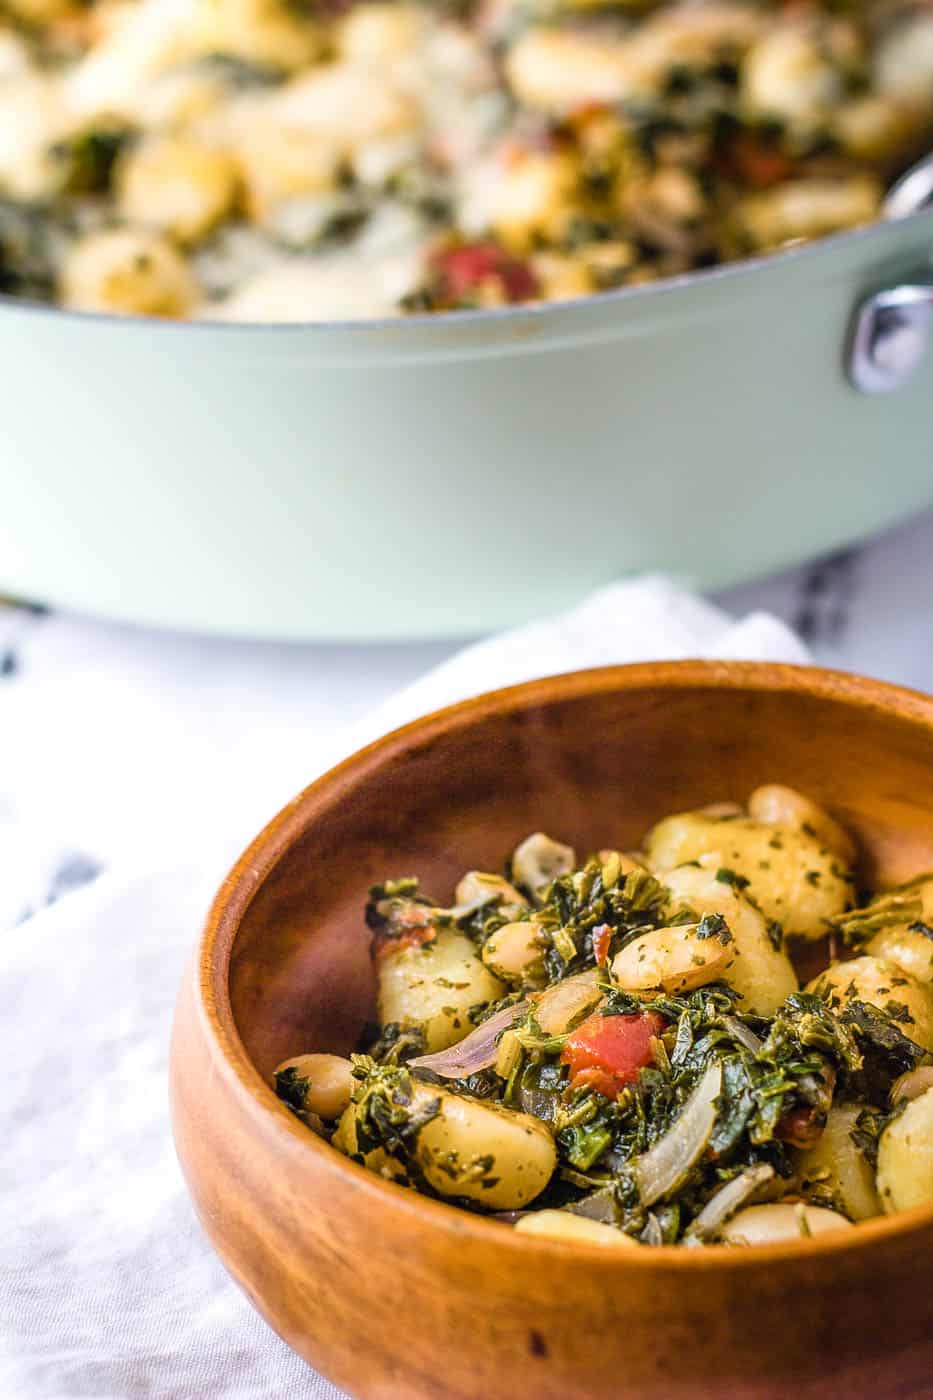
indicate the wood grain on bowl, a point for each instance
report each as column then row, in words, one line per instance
column 392, row 1295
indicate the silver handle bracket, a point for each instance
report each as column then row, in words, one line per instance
column 890, row 335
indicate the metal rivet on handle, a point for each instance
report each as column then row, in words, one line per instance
column 890, row 336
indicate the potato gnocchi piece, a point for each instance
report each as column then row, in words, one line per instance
column 435, row 987
column 883, row 985
column 279, row 166
column 376, row 1160
column 271, row 32
column 793, row 878
column 875, row 127
column 835, row 1168
column 489, row 1154
column 345, row 105
column 905, row 1157
column 897, row 925
column 777, row 805
column 761, row 971
column 177, row 185
column 813, row 207
column 380, row 33
column 555, row 70
column 903, row 64
column 790, row 74
column 128, row 272
column 32, row 120
column 909, row 949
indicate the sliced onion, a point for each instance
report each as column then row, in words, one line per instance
column 740, row 1032
column 560, row 1005
column 652, row 1233
column 540, row 1103
column 912, row 1084
column 476, row 1051
column 598, row 1205
column 664, row 1166
column 726, row 1202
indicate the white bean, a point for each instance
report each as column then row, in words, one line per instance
column 675, row 959
column 784, row 1221
column 515, row 951
column 761, row 972
column 328, row 1082
column 562, row 1225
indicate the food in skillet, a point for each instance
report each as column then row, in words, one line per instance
column 620, row 1051
column 271, row 160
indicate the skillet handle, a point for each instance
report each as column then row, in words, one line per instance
column 889, row 336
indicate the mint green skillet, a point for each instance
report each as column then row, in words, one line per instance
column 450, row 474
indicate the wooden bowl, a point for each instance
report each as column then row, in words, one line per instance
column 394, row 1296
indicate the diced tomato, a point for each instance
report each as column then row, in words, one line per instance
column 465, row 269
column 607, row 1052
column 759, row 165
column 408, row 928
column 801, row 1126
column 602, row 937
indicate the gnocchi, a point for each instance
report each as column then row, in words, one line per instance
column 791, row 874
column 537, row 152
column 905, row 1157
column 884, row 985
column 436, row 986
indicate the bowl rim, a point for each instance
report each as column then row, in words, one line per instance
column 239, row 887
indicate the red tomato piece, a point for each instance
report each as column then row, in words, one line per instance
column 760, row 165
column 608, row 1052
column 410, row 927
column 466, row 268
column 801, row 1126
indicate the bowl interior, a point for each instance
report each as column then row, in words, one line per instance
column 592, row 759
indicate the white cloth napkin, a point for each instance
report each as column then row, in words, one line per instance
column 107, row 1287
